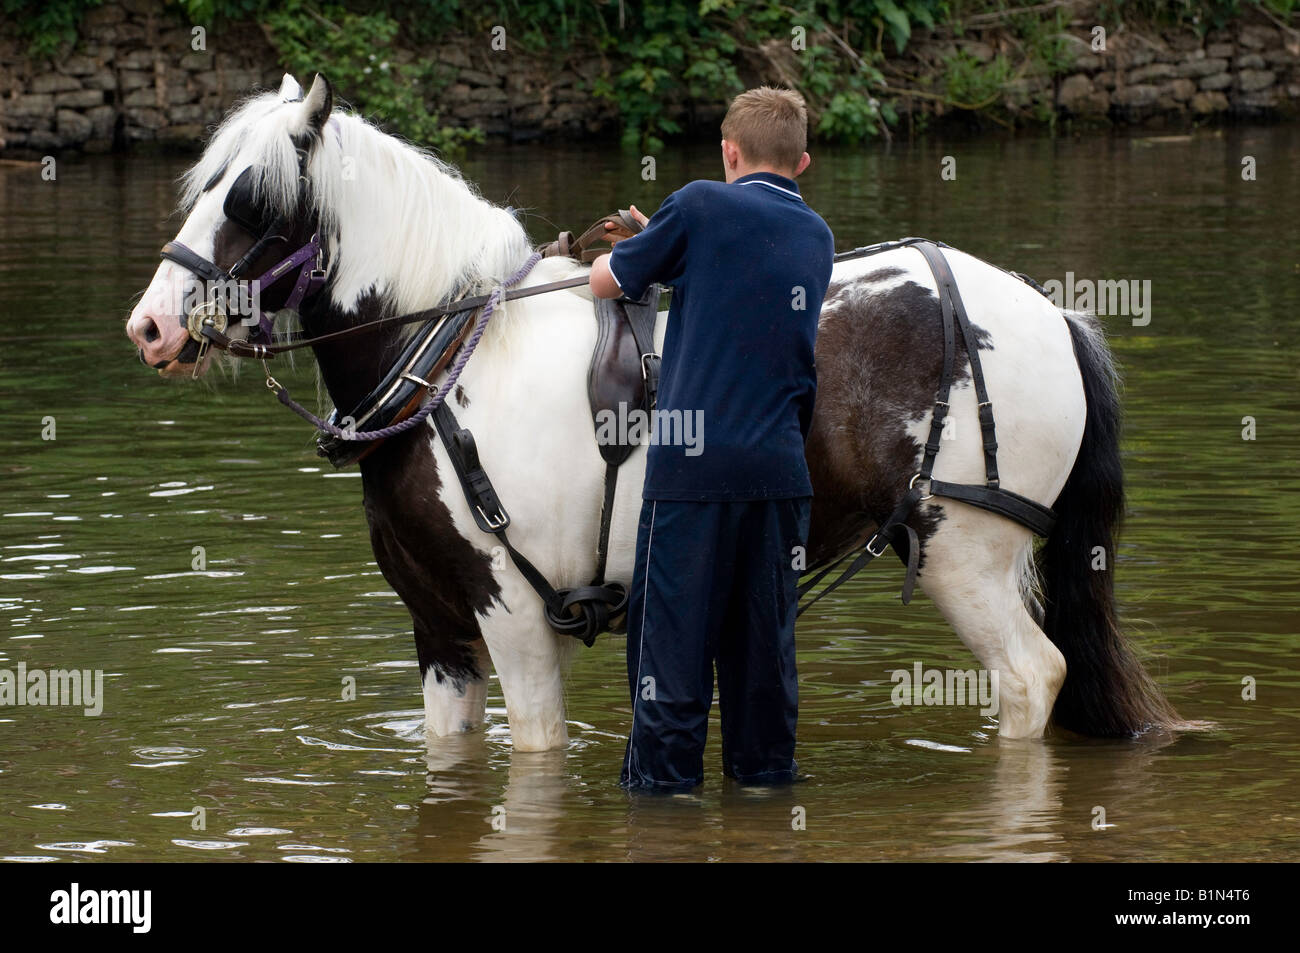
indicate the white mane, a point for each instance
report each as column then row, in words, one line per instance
column 395, row 219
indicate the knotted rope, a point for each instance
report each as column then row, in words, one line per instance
column 419, row 416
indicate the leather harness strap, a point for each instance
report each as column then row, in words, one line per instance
column 565, row 245
column 951, row 303
column 583, row 612
column 1028, row 513
column 894, row 529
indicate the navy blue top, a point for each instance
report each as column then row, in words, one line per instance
column 749, row 264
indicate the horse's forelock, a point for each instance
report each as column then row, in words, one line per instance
column 259, row 132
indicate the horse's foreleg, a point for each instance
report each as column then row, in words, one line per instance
column 973, row 571
column 530, row 661
column 456, row 703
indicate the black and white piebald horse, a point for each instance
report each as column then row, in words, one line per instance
column 401, row 231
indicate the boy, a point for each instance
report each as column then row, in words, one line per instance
column 721, row 520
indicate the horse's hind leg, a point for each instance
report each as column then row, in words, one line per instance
column 975, row 567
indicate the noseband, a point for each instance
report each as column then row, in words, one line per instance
column 211, row 315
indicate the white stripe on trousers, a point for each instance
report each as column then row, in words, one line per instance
column 636, row 687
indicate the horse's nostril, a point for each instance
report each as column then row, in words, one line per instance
column 151, row 333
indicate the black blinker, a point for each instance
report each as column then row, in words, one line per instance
column 240, row 208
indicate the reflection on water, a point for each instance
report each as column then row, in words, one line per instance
column 227, row 735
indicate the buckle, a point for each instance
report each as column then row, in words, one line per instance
column 498, row 521
column 875, row 536
column 318, row 272
column 416, row 379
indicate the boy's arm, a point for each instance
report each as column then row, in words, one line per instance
column 656, row 254
column 602, row 282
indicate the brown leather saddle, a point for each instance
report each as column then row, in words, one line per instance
column 623, row 375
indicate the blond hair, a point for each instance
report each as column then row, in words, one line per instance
column 769, row 125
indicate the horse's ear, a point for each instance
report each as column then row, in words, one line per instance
column 290, row 91
column 319, row 103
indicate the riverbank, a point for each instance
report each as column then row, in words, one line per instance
column 140, row 72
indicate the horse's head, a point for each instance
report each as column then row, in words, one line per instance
column 248, row 246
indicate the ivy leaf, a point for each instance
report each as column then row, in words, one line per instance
column 900, row 28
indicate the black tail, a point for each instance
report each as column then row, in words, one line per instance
column 1107, row 692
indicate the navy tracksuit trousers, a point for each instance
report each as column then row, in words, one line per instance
column 714, row 582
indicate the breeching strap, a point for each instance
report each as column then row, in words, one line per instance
column 894, row 529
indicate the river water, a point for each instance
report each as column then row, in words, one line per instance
column 222, row 686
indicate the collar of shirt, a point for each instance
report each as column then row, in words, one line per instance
column 772, row 180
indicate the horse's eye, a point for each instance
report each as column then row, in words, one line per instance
column 240, row 207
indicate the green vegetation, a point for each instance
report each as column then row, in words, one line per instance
column 47, row 25
column 672, row 51
column 356, row 48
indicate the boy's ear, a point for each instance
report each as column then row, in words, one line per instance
column 804, row 161
column 730, row 153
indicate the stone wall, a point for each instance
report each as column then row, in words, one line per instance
column 131, row 76
column 134, row 76
column 1250, row 69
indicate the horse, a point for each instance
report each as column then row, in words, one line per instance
column 401, row 230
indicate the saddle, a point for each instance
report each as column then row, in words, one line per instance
column 624, row 372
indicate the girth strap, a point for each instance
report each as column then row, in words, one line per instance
column 583, row 612
column 642, row 321
column 606, row 518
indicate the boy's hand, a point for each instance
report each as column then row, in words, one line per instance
column 615, row 233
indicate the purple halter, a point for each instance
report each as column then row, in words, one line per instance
column 311, row 279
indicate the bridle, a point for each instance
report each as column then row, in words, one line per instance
column 208, row 321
